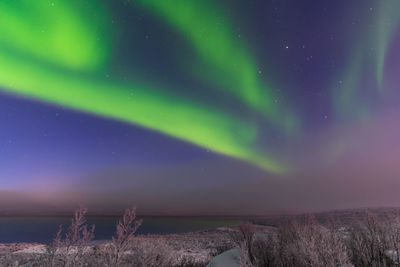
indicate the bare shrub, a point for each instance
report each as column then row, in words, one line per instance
column 307, row 243
column 122, row 242
column 244, row 259
column 368, row 243
column 304, row 243
column 71, row 249
column 265, row 249
column 244, row 239
column 321, row 246
column 392, row 229
column 189, row 262
column 151, row 253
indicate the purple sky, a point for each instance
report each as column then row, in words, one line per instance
column 334, row 67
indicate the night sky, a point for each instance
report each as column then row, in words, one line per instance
column 192, row 107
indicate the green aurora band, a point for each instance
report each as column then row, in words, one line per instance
column 221, row 54
column 368, row 57
column 217, row 46
column 352, row 101
column 388, row 21
column 56, row 51
column 57, row 32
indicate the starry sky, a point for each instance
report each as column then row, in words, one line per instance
column 189, row 107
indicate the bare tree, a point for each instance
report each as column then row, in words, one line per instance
column 122, row 242
column 392, row 228
column 302, row 242
column 368, row 243
column 153, row 252
column 244, row 238
column 71, row 249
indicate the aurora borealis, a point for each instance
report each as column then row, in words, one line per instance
column 149, row 106
column 194, row 99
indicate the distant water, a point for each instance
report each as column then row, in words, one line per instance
column 43, row 229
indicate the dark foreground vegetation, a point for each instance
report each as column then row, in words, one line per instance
column 75, row 247
column 371, row 240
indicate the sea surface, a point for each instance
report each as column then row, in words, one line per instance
column 43, row 229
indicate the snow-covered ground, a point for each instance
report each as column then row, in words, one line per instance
column 198, row 247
